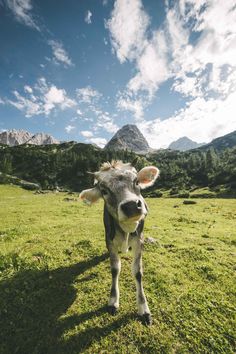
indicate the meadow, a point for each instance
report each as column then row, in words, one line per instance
column 55, row 278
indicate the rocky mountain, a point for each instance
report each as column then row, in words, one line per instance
column 14, row 137
column 128, row 137
column 18, row 137
column 223, row 142
column 184, row 144
column 42, row 139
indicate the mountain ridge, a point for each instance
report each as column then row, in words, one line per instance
column 129, row 137
column 16, row 137
column 184, row 143
column 222, row 142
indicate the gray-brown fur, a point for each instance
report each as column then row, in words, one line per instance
column 124, row 212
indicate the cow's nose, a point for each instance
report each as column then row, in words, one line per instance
column 132, row 208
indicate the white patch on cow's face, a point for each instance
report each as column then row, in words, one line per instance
column 131, row 222
column 130, row 225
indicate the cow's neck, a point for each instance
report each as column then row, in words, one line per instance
column 112, row 227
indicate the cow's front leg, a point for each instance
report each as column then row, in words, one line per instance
column 137, row 270
column 113, row 303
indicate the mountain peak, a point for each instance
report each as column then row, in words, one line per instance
column 17, row 137
column 184, row 144
column 128, row 137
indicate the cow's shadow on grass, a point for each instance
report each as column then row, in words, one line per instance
column 31, row 304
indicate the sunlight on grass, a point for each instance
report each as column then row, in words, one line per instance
column 55, row 278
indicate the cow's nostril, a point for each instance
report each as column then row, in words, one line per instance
column 132, row 208
column 139, row 204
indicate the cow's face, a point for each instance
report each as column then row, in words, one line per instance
column 119, row 185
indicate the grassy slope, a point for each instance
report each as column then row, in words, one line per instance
column 55, row 278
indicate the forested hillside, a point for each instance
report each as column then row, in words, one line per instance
column 66, row 165
column 196, row 168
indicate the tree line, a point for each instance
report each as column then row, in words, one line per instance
column 196, row 168
column 66, row 165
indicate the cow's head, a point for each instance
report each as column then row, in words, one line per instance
column 119, row 185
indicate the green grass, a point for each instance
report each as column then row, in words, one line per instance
column 55, row 278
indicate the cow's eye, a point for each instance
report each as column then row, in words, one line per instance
column 136, row 182
column 104, row 191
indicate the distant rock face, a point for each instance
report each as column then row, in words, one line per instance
column 184, row 144
column 18, row 137
column 128, row 137
column 42, row 139
column 223, row 142
column 14, row 137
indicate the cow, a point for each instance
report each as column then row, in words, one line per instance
column 119, row 184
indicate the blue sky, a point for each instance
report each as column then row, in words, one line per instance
column 80, row 70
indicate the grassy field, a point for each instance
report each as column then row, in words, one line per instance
column 55, row 278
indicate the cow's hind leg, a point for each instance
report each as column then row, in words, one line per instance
column 143, row 309
column 113, row 303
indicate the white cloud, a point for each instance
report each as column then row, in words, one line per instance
column 109, row 126
column 98, row 141
column 87, row 94
column 102, row 119
column 88, row 17
column 177, row 35
column 152, row 66
column 27, row 105
column 46, row 98
column 105, row 122
column 96, row 111
column 189, row 86
column 69, row 128
column 21, row 10
column 59, row 53
column 194, row 48
column 202, row 120
column 127, row 26
column 28, row 89
column 136, row 106
column 168, row 52
column 73, row 119
column 86, row 133
column 215, row 49
column 41, row 85
column 57, row 97
column 1, row 101
column 48, row 59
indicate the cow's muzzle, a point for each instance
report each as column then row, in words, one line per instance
column 132, row 208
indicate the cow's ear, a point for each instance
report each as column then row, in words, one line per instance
column 90, row 196
column 147, row 176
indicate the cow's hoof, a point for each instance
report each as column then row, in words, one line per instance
column 146, row 319
column 112, row 310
